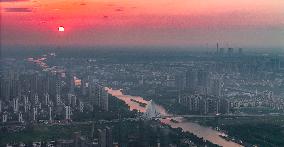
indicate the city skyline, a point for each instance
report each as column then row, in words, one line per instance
column 248, row 24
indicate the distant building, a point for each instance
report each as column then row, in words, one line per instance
column 240, row 51
column 230, row 51
column 99, row 97
column 191, row 80
column 201, row 104
column 102, row 138
column 105, row 137
column 67, row 112
column 216, row 87
column 109, row 140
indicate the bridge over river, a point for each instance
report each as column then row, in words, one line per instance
column 154, row 111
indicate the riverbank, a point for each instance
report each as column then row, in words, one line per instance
column 260, row 131
column 204, row 132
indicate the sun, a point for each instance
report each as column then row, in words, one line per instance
column 61, row 29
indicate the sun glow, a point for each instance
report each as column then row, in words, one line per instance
column 61, row 29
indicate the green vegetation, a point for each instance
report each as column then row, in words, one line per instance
column 42, row 133
column 261, row 131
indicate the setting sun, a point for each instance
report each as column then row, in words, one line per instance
column 61, row 29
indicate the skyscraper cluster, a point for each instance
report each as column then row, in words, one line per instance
column 35, row 94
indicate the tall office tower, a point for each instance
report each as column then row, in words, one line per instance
column 218, row 103
column 276, row 63
column 26, row 103
column 5, row 89
column 102, row 138
column 20, row 117
column 96, row 94
column 230, row 51
column 69, row 98
column 36, row 100
column 5, row 117
column 217, row 47
column 270, row 96
column 74, row 100
column 81, row 105
column 213, row 106
column 104, row 100
column 203, row 78
column 76, row 138
column 83, row 87
column 109, row 141
column 53, row 82
column 196, row 101
column 180, row 81
column 15, row 84
column 46, row 96
column 58, row 100
column 240, row 51
column 203, row 81
column 221, row 51
column 216, row 87
column 224, row 106
column 141, row 81
column 16, row 105
column 34, row 113
column 67, row 112
column 58, row 91
column 50, row 113
column 71, row 84
column 99, row 97
column 191, row 80
column 34, row 83
column 46, row 83
column 205, row 109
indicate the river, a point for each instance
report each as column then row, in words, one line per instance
column 201, row 131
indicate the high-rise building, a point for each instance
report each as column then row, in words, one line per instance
column 180, row 81
column 224, row 106
column 50, row 113
column 104, row 100
column 99, row 97
column 191, row 80
column 105, row 137
column 46, row 96
column 67, row 112
column 240, row 51
column 0, row 106
column 5, row 117
column 203, row 81
column 230, row 51
column 83, row 87
column 216, row 87
column 5, row 88
column 34, row 113
column 16, row 105
column 102, row 138
column 217, row 47
column 26, row 103
column 81, row 106
column 109, row 141
column 20, row 119
column 221, row 51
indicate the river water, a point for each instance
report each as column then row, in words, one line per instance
column 201, row 131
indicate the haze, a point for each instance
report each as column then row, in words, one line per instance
column 88, row 23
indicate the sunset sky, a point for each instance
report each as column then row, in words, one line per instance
column 237, row 23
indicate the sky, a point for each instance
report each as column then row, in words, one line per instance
column 183, row 23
